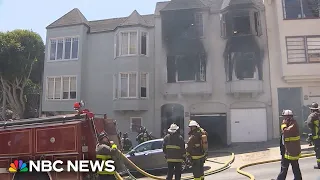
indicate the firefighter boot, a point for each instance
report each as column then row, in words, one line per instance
column 317, row 166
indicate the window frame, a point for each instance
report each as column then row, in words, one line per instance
column 147, row 43
column 307, row 61
column 147, row 85
column 202, row 18
column 131, row 118
column 61, row 87
column 195, row 75
column 63, row 49
column 137, row 85
column 301, row 10
column 119, row 34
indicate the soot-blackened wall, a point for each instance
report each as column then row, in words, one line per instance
column 186, row 56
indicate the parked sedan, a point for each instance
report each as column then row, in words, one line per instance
column 148, row 155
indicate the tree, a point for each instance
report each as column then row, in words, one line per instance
column 20, row 52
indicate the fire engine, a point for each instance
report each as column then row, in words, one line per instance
column 64, row 137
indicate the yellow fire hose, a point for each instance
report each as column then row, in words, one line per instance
column 224, row 167
column 262, row 162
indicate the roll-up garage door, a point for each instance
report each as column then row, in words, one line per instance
column 248, row 125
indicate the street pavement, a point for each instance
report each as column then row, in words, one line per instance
column 269, row 171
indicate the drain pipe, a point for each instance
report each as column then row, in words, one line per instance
column 269, row 69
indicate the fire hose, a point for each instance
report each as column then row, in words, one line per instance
column 262, row 162
column 225, row 166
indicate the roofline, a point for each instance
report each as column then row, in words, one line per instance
column 53, row 27
column 183, row 9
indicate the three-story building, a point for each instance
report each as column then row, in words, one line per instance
column 212, row 66
column 107, row 63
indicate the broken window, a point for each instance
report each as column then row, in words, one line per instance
column 241, row 66
column 241, row 24
column 244, row 65
column 257, row 23
column 297, row 9
column 186, row 68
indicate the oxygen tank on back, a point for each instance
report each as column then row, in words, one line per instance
column 204, row 140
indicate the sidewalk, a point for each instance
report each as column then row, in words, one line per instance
column 246, row 153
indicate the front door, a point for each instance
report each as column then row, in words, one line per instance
column 291, row 98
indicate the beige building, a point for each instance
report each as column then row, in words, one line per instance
column 294, row 52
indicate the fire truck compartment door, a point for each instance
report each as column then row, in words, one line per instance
column 16, row 142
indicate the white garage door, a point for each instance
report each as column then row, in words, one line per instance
column 248, row 125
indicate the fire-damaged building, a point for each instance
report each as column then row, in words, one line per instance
column 211, row 66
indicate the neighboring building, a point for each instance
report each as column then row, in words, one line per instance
column 212, row 66
column 205, row 60
column 294, row 52
column 107, row 63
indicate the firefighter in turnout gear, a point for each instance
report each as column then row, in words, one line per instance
column 289, row 146
column 196, row 151
column 105, row 150
column 143, row 136
column 126, row 143
column 313, row 124
column 174, row 150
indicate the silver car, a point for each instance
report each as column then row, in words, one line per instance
column 148, row 155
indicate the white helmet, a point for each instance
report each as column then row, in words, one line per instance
column 173, row 128
column 193, row 123
column 287, row 113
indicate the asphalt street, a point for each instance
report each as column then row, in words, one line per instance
column 269, row 171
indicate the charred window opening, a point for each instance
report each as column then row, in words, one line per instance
column 182, row 68
column 243, row 58
column 186, row 58
column 240, row 23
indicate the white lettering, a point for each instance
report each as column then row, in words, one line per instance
column 96, row 165
column 109, row 166
column 36, row 166
column 72, row 165
column 55, row 166
column 83, row 166
column 46, row 166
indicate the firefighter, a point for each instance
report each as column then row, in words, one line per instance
column 126, row 143
column 289, row 146
column 143, row 136
column 195, row 150
column 105, row 150
column 174, row 150
column 313, row 124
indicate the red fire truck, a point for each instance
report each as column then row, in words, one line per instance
column 66, row 137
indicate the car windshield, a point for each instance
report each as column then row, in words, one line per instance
column 143, row 147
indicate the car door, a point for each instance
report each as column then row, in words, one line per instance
column 140, row 157
column 157, row 155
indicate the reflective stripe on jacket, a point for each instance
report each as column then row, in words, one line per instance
column 174, row 147
column 194, row 148
column 104, row 153
column 291, row 138
column 313, row 124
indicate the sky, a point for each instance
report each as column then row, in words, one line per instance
column 36, row 15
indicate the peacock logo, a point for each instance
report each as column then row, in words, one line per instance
column 18, row 166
